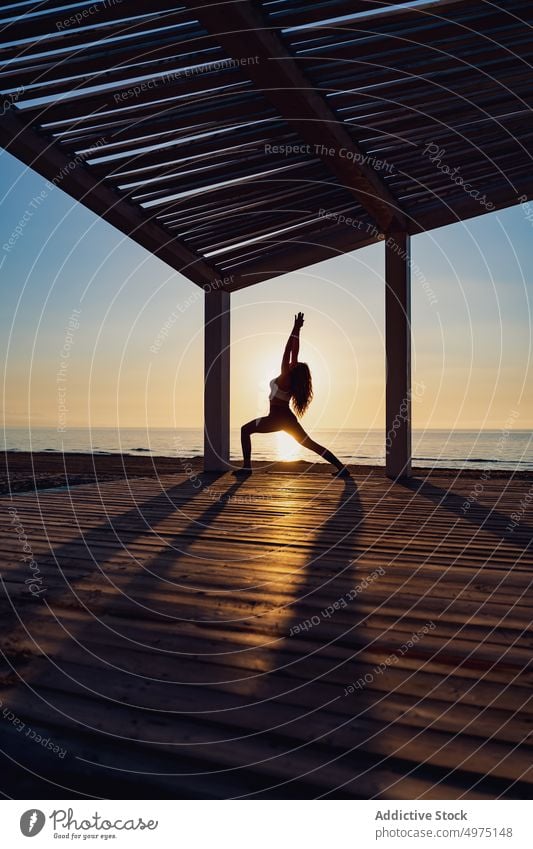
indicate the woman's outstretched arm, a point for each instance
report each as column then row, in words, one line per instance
column 290, row 354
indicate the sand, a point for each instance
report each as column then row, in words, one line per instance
column 23, row 471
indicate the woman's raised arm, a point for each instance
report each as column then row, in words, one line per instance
column 290, row 354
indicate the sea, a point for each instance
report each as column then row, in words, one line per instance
column 456, row 449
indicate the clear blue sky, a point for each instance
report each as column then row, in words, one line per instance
column 471, row 349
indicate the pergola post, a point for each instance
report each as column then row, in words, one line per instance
column 398, row 354
column 216, row 380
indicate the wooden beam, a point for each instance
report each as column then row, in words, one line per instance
column 463, row 207
column 217, row 380
column 73, row 177
column 398, row 355
column 247, row 37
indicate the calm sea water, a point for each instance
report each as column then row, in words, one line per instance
column 440, row 448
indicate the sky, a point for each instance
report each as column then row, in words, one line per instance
column 69, row 277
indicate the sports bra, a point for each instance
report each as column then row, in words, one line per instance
column 277, row 394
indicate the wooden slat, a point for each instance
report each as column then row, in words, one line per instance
column 46, row 22
column 80, row 103
column 279, row 174
column 320, row 11
column 316, row 14
column 324, row 243
column 78, row 37
column 107, row 65
column 428, row 16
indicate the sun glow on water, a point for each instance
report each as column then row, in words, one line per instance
column 286, row 447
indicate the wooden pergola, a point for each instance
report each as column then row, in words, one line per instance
column 238, row 141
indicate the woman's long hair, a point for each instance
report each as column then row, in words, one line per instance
column 301, row 388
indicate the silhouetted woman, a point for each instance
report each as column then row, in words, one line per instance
column 294, row 386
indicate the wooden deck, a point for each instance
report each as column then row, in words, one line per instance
column 278, row 636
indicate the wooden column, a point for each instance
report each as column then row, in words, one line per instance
column 216, row 377
column 398, row 353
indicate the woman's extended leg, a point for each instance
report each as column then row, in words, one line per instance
column 296, row 430
column 266, row 424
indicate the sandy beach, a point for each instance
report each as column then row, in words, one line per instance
column 26, row 471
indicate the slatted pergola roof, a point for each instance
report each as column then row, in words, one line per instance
column 247, row 139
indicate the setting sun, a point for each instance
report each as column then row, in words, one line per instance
column 286, row 447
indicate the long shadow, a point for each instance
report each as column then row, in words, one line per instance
column 328, row 566
column 493, row 521
column 115, row 534
column 317, row 657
